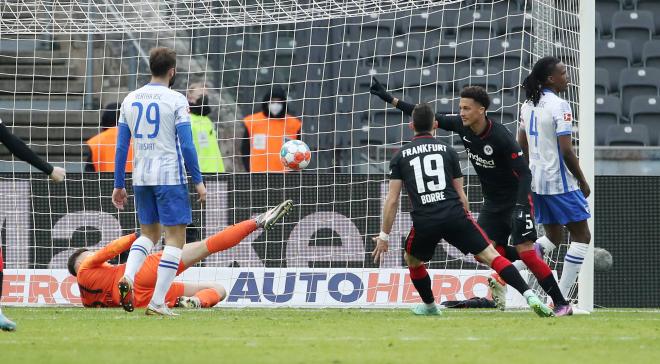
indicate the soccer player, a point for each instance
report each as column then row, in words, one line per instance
column 558, row 184
column 431, row 174
column 157, row 118
column 18, row 148
column 505, row 183
column 98, row 280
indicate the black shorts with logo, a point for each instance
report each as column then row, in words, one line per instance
column 495, row 219
column 463, row 232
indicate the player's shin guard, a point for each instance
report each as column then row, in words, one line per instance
column 544, row 275
column 230, row 236
column 140, row 249
column 167, row 268
column 509, row 274
column 572, row 264
column 422, row 282
column 208, row 297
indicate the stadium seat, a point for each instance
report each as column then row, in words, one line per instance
column 607, row 112
column 627, row 135
column 504, row 109
column 652, row 6
column 428, row 26
column 476, row 52
column 399, row 53
column 645, row 110
column 421, row 83
column 516, row 23
column 607, row 8
column 637, row 82
column 473, row 25
column 635, row 26
column 506, row 55
column 370, row 27
column 477, row 76
column 599, row 26
column 613, row 55
column 447, row 56
column 651, row 54
column 602, row 81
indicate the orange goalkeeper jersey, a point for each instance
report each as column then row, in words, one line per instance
column 97, row 279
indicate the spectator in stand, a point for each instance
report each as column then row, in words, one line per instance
column 203, row 130
column 101, row 148
column 267, row 131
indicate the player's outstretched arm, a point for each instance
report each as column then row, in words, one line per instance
column 18, row 148
column 389, row 214
column 113, row 249
column 572, row 162
column 378, row 89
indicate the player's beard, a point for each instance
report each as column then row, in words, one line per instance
column 172, row 80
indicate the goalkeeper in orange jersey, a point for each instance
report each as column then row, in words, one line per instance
column 97, row 279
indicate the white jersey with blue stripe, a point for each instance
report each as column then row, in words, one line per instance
column 152, row 114
column 544, row 124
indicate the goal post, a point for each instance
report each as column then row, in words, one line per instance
column 62, row 62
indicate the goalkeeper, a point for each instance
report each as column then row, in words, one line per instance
column 18, row 148
column 97, row 279
column 505, row 183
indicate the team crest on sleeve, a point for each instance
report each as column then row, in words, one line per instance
column 488, row 149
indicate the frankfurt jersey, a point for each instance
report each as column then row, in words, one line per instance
column 428, row 167
column 152, row 114
column 495, row 156
column 543, row 124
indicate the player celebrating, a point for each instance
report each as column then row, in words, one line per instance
column 431, row 173
column 98, row 280
column 18, row 148
column 505, row 182
column 558, row 184
column 157, row 118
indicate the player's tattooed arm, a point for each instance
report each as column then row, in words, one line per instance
column 458, row 186
column 390, row 209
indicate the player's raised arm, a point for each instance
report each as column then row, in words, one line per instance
column 119, row 196
column 18, row 148
column 184, row 133
column 113, row 249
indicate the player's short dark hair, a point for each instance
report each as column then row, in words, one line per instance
column 478, row 94
column 71, row 263
column 423, row 118
column 161, row 60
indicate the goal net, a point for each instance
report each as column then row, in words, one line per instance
column 64, row 63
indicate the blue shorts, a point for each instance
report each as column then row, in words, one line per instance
column 561, row 209
column 168, row 205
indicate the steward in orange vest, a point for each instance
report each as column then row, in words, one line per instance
column 267, row 131
column 101, row 155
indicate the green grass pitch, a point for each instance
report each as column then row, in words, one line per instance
column 76, row 335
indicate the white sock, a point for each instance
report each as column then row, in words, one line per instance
column 169, row 264
column 519, row 264
column 572, row 264
column 139, row 251
column 0, row 310
column 548, row 246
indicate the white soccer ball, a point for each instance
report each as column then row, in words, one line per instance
column 602, row 260
column 295, row 154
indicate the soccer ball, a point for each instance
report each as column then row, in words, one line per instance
column 295, row 155
column 602, row 260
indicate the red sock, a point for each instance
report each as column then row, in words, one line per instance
column 509, row 274
column 535, row 264
column 418, row 272
column 208, row 297
column 230, row 236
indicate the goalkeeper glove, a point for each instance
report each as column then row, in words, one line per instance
column 379, row 90
column 522, row 228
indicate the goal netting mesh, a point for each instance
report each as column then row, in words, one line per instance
column 63, row 62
